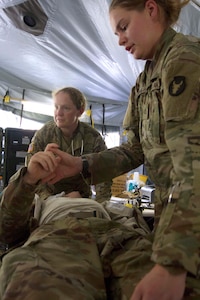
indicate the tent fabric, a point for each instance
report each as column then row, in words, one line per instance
column 72, row 44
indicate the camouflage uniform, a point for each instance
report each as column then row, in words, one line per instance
column 70, row 258
column 163, row 123
column 85, row 140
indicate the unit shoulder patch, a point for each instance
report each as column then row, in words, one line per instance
column 177, row 86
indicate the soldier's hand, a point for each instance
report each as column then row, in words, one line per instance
column 160, row 284
column 69, row 166
column 41, row 165
column 51, row 147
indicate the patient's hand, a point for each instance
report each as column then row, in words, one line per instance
column 41, row 165
column 51, row 147
column 160, row 284
column 69, row 166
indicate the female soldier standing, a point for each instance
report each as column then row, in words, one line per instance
column 163, row 121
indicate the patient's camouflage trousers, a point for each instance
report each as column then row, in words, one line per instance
column 79, row 259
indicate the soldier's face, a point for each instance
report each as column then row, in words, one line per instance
column 66, row 114
column 137, row 31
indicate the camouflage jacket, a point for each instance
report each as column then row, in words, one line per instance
column 16, row 211
column 85, row 140
column 163, row 123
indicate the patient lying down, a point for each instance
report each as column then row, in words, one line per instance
column 76, row 249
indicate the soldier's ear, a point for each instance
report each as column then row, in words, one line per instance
column 81, row 111
column 152, row 9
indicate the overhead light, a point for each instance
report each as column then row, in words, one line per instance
column 29, row 20
column 28, row 16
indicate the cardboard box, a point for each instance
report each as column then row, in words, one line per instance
column 119, row 185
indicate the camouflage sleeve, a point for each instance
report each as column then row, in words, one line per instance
column 99, row 144
column 15, row 210
column 177, row 240
column 113, row 162
column 103, row 190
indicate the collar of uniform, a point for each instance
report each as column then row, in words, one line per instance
column 164, row 43
column 76, row 139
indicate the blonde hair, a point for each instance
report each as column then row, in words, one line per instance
column 170, row 8
column 76, row 96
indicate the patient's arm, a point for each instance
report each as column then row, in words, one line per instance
column 15, row 210
column 18, row 197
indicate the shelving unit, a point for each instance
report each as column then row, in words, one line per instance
column 14, row 146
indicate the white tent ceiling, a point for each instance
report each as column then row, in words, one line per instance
column 72, row 44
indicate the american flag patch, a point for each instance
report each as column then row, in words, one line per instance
column 30, row 148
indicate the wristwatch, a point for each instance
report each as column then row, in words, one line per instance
column 85, row 170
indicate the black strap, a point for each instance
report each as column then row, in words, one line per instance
column 103, row 122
